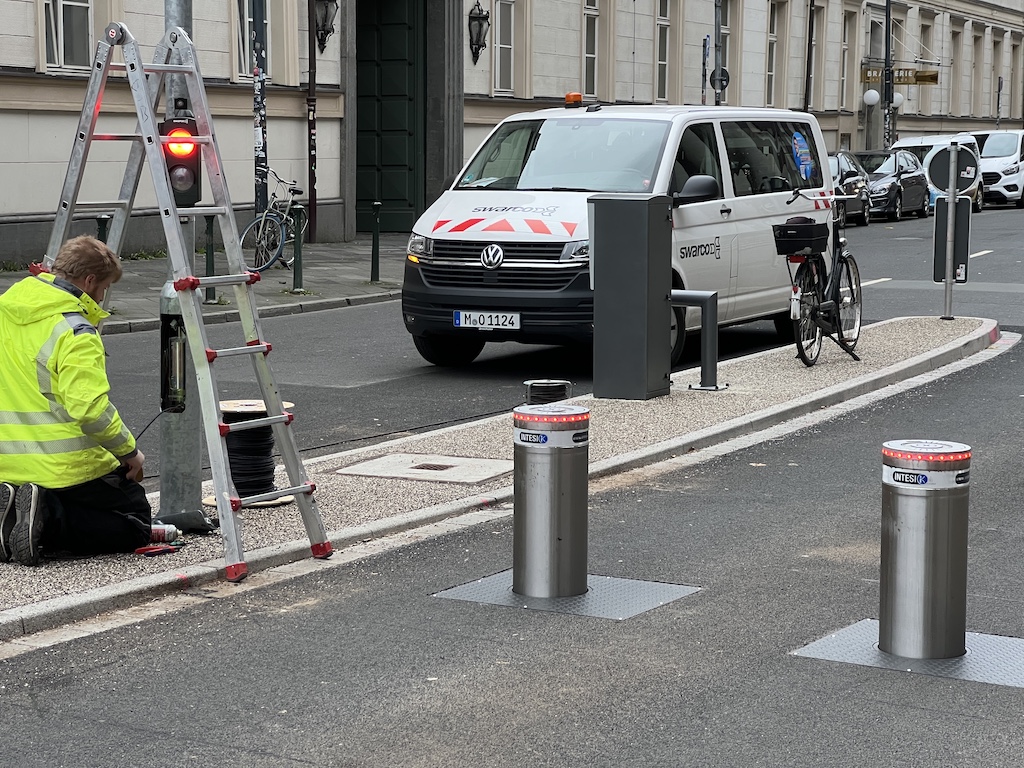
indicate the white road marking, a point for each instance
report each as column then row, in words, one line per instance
column 873, row 282
column 979, row 253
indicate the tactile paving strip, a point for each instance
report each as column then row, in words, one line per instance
column 990, row 658
column 606, row 598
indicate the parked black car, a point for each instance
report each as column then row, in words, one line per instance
column 898, row 183
column 850, row 179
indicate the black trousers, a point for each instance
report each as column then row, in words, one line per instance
column 109, row 514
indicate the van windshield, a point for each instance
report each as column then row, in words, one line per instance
column 1000, row 145
column 569, row 154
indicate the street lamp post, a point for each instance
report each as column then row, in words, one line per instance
column 887, row 80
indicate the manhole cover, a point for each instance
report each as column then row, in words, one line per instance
column 438, row 469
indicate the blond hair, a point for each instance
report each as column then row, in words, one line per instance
column 82, row 256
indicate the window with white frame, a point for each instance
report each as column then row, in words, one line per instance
column 772, row 55
column 846, row 63
column 664, row 24
column 68, row 39
column 245, row 33
column 816, row 82
column 504, row 36
column 726, row 32
column 591, row 46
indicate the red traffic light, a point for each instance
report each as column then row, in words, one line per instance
column 181, row 148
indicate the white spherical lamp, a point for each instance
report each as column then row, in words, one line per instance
column 897, row 100
column 871, row 97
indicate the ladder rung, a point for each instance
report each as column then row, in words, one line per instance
column 99, row 205
column 192, row 282
column 117, row 137
column 252, row 348
column 241, row 426
column 198, row 139
column 207, row 210
column 277, row 493
column 154, row 67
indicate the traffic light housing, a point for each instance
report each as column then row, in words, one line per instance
column 184, row 160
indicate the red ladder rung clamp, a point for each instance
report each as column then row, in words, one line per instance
column 211, row 355
column 312, row 488
column 236, row 503
column 189, row 283
column 37, row 268
column 224, row 429
column 257, row 342
column 254, row 277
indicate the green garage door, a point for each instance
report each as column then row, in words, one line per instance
column 390, row 110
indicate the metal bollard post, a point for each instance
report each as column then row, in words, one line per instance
column 375, row 252
column 923, row 587
column 297, row 253
column 102, row 226
column 540, row 391
column 211, row 291
column 549, row 526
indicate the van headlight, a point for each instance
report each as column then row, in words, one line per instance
column 576, row 250
column 420, row 245
column 1011, row 170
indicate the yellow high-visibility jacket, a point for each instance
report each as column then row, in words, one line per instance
column 58, row 427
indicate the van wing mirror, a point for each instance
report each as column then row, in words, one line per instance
column 697, row 189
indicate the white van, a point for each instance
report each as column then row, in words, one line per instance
column 924, row 148
column 503, row 255
column 1002, row 166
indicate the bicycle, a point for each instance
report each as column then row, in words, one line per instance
column 264, row 238
column 826, row 301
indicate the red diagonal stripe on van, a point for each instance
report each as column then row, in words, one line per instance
column 501, row 225
column 570, row 227
column 463, row 226
column 440, row 223
column 538, row 226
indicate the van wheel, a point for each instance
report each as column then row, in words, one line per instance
column 1020, row 202
column 677, row 334
column 448, row 351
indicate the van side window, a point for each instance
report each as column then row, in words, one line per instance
column 697, row 154
column 769, row 156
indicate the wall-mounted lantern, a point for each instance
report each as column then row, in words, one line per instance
column 326, row 10
column 479, row 23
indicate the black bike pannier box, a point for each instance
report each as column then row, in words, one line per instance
column 800, row 238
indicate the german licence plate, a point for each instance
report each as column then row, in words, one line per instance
column 486, row 320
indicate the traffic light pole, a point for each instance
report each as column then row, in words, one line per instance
column 180, row 432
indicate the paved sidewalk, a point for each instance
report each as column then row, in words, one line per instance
column 333, row 275
column 764, row 390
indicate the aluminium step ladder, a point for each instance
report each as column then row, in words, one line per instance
column 146, row 82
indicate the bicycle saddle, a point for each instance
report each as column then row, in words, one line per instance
column 295, row 190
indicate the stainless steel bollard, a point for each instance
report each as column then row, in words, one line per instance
column 540, row 391
column 923, row 591
column 549, row 542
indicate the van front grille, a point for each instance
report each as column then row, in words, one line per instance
column 469, row 250
column 507, row 278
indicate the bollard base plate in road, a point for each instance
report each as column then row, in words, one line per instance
column 990, row 658
column 606, row 598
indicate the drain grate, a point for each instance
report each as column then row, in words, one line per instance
column 434, row 467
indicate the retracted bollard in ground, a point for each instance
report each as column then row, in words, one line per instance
column 923, row 589
column 549, row 542
column 540, row 391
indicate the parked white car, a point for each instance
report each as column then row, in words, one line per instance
column 1002, row 166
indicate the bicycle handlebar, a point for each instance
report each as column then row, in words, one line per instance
column 808, row 196
column 275, row 174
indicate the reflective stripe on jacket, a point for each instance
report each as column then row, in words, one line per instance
column 58, row 427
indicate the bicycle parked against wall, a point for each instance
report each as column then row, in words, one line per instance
column 826, row 300
column 265, row 237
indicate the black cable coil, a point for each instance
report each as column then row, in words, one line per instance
column 250, row 455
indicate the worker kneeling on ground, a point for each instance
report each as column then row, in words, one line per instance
column 68, row 464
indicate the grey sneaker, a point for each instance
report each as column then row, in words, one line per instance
column 7, row 515
column 28, row 528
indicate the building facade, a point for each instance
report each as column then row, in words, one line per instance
column 958, row 63
column 401, row 102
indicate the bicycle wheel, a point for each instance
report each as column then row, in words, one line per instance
column 297, row 222
column 806, row 331
column 849, row 299
column 262, row 241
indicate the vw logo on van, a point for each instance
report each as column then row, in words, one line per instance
column 492, row 256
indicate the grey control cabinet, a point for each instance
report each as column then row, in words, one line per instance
column 631, row 273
